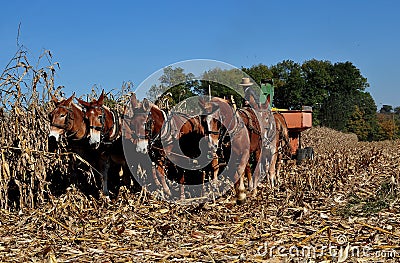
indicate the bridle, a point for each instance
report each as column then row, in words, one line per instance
column 148, row 126
column 102, row 117
column 102, row 129
column 67, row 123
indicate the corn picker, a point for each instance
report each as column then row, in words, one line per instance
column 297, row 121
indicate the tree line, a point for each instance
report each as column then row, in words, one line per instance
column 336, row 92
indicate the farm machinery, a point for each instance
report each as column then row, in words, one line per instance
column 297, row 121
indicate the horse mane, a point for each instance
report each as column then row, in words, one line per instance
column 224, row 106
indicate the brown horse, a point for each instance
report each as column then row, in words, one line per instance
column 67, row 119
column 104, row 130
column 283, row 147
column 223, row 114
column 170, row 140
column 104, row 123
column 144, row 126
column 250, row 119
column 213, row 130
column 138, row 127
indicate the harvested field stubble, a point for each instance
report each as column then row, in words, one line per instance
column 330, row 202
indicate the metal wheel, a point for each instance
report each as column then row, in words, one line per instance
column 309, row 153
column 300, row 155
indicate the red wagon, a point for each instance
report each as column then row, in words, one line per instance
column 297, row 122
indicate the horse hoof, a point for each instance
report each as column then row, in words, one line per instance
column 240, row 201
column 168, row 193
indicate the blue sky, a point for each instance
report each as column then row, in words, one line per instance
column 108, row 42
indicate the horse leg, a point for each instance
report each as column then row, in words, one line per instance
column 105, row 166
column 182, row 186
column 272, row 170
column 161, row 173
column 239, row 180
column 125, row 176
column 215, row 171
column 247, row 172
column 257, row 172
column 203, row 186
column 154, row 175
column 278, row 164
column 240, row 189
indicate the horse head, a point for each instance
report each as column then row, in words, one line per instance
column 66, row 118
column 212, row 123
column 99, row 118
column 139, row 123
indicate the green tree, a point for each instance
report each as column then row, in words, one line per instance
column 343, row 94
column 222, row 83
column 289, row 85
column 363, row 120
column 397, row 110
column 175, row 81
column 357, row 124
column 258, row 72
column 346, row 78
column 386, row 109
column 317, row 78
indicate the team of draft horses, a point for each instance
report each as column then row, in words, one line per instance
column 94, row 131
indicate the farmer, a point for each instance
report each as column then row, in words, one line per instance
column 250, row 96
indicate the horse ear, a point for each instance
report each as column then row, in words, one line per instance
column 134, row 101
column 69, row 100
column 83, row 103
column 206, row 105
column 101, row 99
column 146, row 105
column 54, row 99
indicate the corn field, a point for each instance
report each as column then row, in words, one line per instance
column 347, row 197
column 26, row 166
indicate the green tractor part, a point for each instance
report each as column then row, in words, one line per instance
column 267, row 91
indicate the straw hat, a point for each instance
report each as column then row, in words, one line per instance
column 246, row 82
